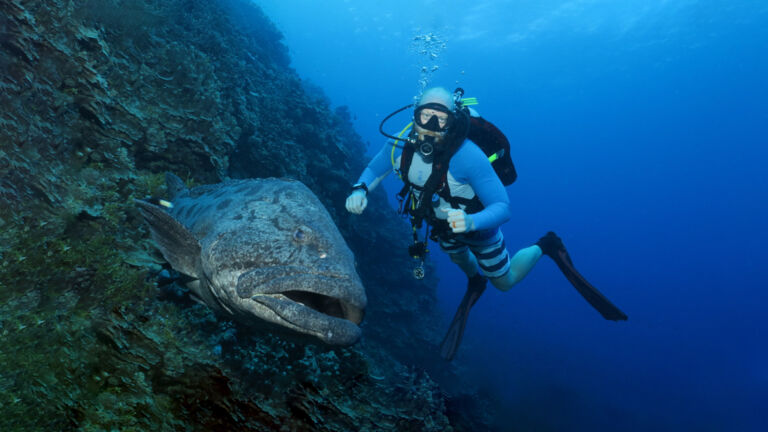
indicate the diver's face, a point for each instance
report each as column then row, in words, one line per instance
column 428, row 113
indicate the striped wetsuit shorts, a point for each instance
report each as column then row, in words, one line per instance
column 486, row 245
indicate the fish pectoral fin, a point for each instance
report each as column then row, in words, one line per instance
column 175, row 185
column 197, row 298
column 178, row 246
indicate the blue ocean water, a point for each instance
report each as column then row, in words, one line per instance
column 640, row 133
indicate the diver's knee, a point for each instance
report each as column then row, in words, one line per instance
column 459, row 257
column 506, row 281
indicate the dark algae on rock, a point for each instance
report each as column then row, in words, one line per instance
column 100, row 99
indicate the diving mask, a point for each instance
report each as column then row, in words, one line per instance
column 433, row 117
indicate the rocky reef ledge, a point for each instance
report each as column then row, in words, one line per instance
column 100, row 98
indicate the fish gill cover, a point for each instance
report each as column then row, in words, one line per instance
column 100, row 99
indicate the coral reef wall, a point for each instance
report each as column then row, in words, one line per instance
column 100, row 98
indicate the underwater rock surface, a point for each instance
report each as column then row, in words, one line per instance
column 100, row 98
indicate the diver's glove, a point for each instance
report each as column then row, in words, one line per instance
column 459, row 221
column 357, row 201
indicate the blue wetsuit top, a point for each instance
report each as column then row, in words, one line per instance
column 468, row 167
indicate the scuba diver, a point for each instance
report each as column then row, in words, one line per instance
column 455, row 166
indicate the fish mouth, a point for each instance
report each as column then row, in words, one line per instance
column 328, row 305
column 321, row 316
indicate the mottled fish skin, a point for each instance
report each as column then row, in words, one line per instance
column 270, row 250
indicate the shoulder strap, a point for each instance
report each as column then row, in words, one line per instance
column 406, row 157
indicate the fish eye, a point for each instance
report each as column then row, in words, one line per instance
column 302, row 235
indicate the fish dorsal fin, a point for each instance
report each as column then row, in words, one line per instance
column 175, row 185
column 178, row 246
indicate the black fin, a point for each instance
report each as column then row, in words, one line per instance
column 552, row 246
column 179, row 247
column 452, row 340
column 175, row 185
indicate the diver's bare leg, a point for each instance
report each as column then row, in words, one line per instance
column 519, row 266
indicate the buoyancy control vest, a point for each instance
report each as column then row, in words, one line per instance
column 488, row 138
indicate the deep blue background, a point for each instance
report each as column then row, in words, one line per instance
column 640, row 134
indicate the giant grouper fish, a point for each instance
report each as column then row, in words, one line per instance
column 263, row 249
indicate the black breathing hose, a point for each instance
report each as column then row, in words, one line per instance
column 381, row 125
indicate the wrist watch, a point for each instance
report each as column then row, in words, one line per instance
column 360, row 186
